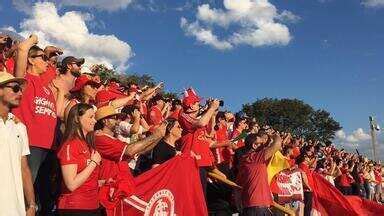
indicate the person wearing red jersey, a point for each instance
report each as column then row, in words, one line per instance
column 84, row 91
column 158, row 111
column 252, row 176
column 7, row 54
column 222, row 154
column 114, row 150
column 194, row 130
column 345, row 180
column 379, row 179
column 38, row 106
column 239, row 126
column 79, row 163
column 176, row 109
column 304, row 163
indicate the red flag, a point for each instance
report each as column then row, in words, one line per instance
column 173, row 188
column 365, row 207
column 328, row 200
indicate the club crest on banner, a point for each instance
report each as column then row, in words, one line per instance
column 162, row 203
column 290, row 186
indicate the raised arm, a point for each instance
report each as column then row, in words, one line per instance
column 22, row 55
column 147, row 143
column 61, row 101
column 274, row 147
column 150, row 92
column 206, row 117
column 136, row 122
column 118, row 103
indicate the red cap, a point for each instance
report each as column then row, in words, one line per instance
column 134, row 88
column 113, row 86
column 81, row 81
column 190, row 97
column 104, row 96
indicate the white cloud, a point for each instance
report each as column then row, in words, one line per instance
column 340, row 134
column 8, row 28
column 70, row 32
column 204, row 35
column 373, row 3
column 360, row 140
column 107, row 5
column 357, row 139
column 255, row 23
column 357, row 136
column 288, row 16
column 22, row 5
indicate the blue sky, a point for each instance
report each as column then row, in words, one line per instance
column 333, row 59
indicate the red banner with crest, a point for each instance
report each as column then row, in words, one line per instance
column 173, row 188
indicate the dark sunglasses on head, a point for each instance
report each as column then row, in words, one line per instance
column 44, row 57
column 95, row 85
column 15, row 88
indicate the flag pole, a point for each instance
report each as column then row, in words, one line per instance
column 373, row 136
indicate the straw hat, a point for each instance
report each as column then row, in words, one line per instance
column 106, row 111
column 7, row 78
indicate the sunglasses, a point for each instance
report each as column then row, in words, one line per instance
column 76, row 63
column 15, row 88
column 44, row 57
column 95, row 85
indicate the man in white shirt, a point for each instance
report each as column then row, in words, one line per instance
column 16, row 180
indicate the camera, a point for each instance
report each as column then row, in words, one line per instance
column 221, row 102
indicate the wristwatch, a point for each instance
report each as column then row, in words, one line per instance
column 34, row 206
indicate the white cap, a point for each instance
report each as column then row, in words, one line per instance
column 85, row 70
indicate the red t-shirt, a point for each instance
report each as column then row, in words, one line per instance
column 10, row 65
column 235, row 134
column 344, row 179
column 175, row 114
column 361, row 178
column 112, row 151
column 76, row 151
column 37, row 110
column 222, row 154
column 253, row 178
column 155, row 116
column 296, row 152
column 193, row 139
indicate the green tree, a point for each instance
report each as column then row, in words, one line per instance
column 293, row 116
column 106, row 74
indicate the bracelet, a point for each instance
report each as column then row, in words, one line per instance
column 95, row 162
column 34, row 206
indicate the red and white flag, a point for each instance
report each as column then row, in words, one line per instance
column 173, row 188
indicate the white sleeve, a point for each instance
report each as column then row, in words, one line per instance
column 125, row 127
column 25, row 142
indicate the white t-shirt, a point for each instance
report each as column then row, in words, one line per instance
column 13, row 145
column 123, row 131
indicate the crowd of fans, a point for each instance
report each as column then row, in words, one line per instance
column 63, row 131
